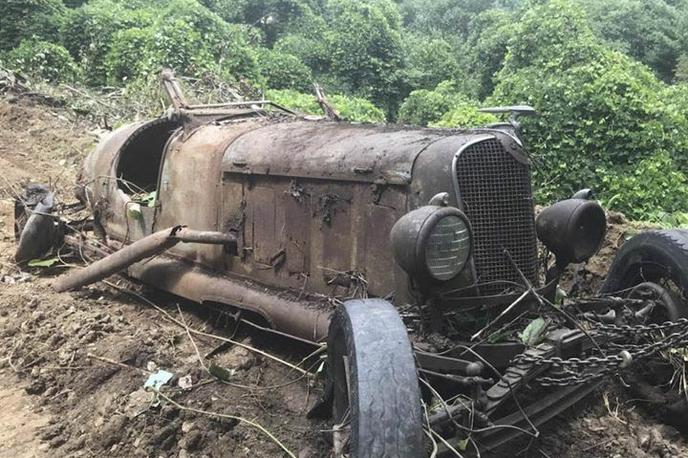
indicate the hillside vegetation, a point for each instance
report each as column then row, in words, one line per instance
column 609, row 78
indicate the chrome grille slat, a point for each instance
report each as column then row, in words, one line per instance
column 497, row 198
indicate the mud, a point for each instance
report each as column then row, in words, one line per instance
column 73, row 365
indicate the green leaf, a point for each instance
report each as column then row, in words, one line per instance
column 534, row 332
column 462, row 444
column 220, row 372
column 42, row 262
column 134, row 211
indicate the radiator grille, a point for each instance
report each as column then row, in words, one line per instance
column 498, row 200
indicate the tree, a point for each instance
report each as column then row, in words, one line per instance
column 427, row 62
column 363, row 44
column 424, row 106
column 648, row 30
column 484, row 49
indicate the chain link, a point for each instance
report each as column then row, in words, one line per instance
column 576, row 371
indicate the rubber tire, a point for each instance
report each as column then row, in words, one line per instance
column 385, row 407
column 667, row 248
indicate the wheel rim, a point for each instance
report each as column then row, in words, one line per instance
column 660, row 375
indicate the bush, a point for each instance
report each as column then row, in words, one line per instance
column 356, row 109
column 25, row 19
column 43, row 60
column 648, row 191
column 284, row 71
column 598, row 109
column 444, row 106
column 349, row 108
column 89, row 31
column 465, row 115
column 177, row 45
column 125, row 60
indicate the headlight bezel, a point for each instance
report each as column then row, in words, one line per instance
column 410, row 236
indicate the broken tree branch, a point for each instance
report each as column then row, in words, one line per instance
column 330, row 112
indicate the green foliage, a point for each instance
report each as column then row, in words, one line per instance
column 43, row 60
column 648, row 30
column 363, row 44
column 681, row 70
column 444, row 106
column 294, row 100
column 484, row 49
column 124, row 60
column 88, row 32
column 446, row 17
column 552, row 36
column 284, row 71
column 24, row 19
column 178, row 45
column 309, row 50
column 652, row 190
column 349, row 108
column 428, row 62
column 465, row 115
column 356, row 109
column 600, row 111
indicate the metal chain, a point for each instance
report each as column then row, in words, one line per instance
column 640, row 328
column 576, row 371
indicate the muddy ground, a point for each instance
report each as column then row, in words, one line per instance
column 73, row 365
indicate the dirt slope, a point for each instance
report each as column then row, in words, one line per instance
column 62, row 395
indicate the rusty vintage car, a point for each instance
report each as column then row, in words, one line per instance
column 414, row 253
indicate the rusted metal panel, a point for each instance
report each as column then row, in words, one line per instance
column 378, row 222
column 337, row 151
column 284, row 312
column 190, row 186
column 297, row 229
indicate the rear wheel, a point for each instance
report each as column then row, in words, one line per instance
column 654, row 266
column 376, row 402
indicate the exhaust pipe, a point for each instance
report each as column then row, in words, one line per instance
column 148, row 246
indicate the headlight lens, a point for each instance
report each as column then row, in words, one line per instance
column 447, row 248
column 432, row 242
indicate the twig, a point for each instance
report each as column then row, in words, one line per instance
column 116, row 363
column 231, row 417
column 188, row 333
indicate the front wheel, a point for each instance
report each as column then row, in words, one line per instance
column 653, row 266
column 376, row 404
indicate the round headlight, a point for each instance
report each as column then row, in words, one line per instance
column 432, row 242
